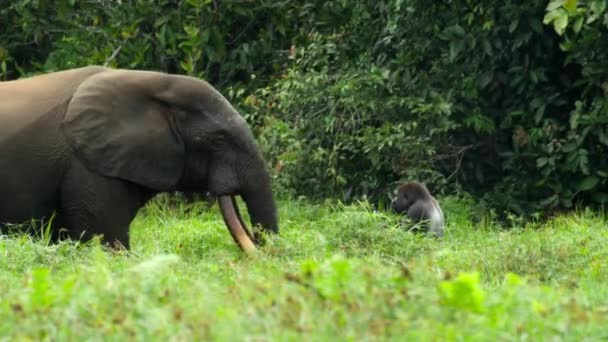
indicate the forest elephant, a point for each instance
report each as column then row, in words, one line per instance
column 90, row 146
column 416, row 201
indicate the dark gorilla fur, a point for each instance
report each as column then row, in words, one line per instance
column 415, row 200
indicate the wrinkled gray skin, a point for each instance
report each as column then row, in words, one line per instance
column 94, row 144
column 415, row 200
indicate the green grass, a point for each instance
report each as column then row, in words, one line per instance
column 336, row 273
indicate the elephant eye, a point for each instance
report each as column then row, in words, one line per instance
column 216, row 142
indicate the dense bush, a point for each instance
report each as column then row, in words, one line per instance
column 224, row 43
column 347, row 98
column 442, row 91
column 586, row 134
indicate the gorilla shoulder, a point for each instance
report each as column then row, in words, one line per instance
column 416, row 202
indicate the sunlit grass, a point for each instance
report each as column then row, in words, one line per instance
column 336, row 272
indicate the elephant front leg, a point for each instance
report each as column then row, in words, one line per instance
column 96, row 205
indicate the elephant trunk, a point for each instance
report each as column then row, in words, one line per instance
column 261, row 207
column 263, row 214
column 256, row 192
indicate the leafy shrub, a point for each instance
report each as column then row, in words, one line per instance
column 583, row 27
column 225, row 44
column 463, row 293
column 464, row 91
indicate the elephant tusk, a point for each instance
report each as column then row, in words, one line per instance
column 235, row 224
column 240, row 218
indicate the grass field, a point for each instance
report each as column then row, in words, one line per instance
column 336, row 273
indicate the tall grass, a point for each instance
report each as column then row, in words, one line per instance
column 337, row 272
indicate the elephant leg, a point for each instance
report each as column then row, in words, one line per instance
column 96, row 205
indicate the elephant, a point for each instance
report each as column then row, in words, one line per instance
column 90, row 146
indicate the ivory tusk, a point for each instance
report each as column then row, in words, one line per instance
column 235, row 224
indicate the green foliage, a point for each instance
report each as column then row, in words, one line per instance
column 505, row 101
column 447, row 91
column 225, row 44
column 463, row 293
column 584, row 29
column 338, row 272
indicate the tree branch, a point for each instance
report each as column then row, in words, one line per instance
column 113, row 55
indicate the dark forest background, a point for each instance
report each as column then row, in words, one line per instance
column 506, row 101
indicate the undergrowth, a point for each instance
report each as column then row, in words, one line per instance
column 337, row 272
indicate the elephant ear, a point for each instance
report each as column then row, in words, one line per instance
column 119, row 127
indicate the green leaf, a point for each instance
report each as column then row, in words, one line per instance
column 533, row 77
column 561, row 22
column 542, row 161
column 452, row 32
column 549, row 17
column 570, row 147
column 570, row 5
column 455, row 31
column 588, row 183
column 578, row 24
column 598, row 6
column 537, row 102
column 538, row 114
column 591, row 19
column 513, row 26
column 487, row 48
column 205, row 36
column 456, row 47
column 463, row 293
column 485, row 79
column 555, row 4
column 550, row 201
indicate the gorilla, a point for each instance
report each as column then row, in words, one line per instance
column 415, row 200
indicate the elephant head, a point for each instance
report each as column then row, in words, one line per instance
column 169, row 132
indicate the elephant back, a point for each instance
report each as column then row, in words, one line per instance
column 27, row 100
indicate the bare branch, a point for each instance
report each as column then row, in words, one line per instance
column 460, row 155
column 113, row 55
